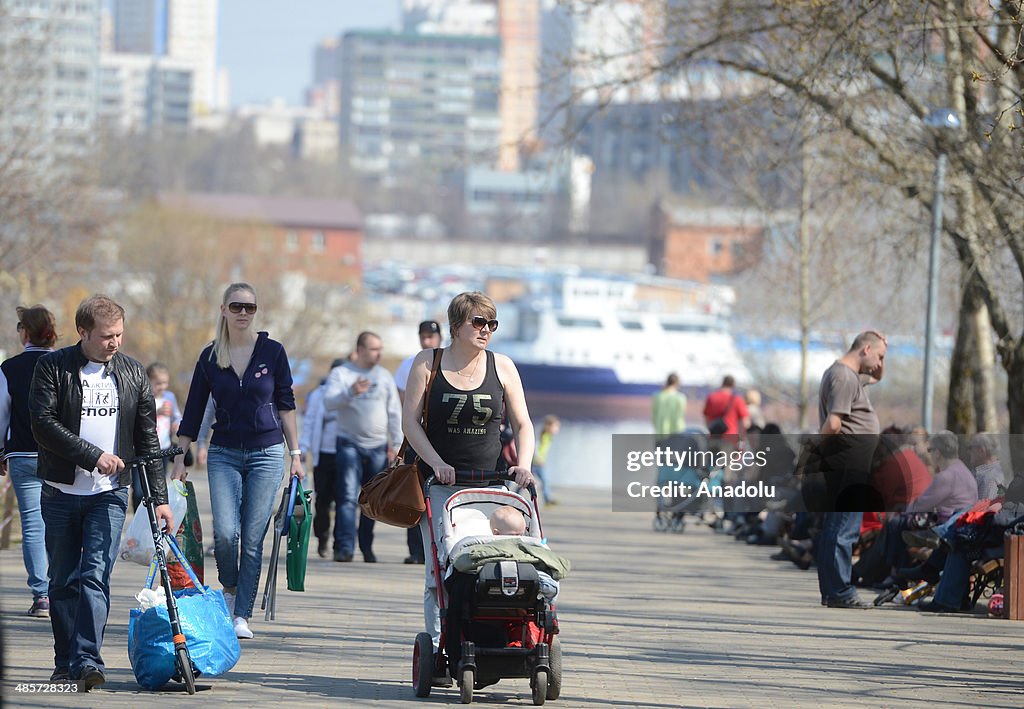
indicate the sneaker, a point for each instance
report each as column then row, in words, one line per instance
column 340, row 556
column 91, row 676
column 321, row 548
column 242, row 628
column 40, row 608
column 413, row 560
column 852, row 602
column 60, row 674
column 369, row 557
column 229, row 601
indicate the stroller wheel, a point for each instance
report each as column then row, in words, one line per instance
column 539, row 685
column 555, row 663
column 422, row 664
column 466, row 685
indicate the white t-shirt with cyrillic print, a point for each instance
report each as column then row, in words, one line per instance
column 100, row 409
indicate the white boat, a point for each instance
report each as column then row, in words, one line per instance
column 608, row 337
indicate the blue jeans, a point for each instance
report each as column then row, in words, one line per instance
column 82, row 536
column 243, row 491
column 955, row 581
column 33, row 540
column 833, row 553
column 538, row 472
column 355, row 468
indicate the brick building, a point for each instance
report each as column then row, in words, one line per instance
column 702, row 243
column 322, row 239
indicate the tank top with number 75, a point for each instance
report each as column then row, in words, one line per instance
column 463, row 426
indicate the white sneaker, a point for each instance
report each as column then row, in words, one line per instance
column 229, row 600
column 242, row 628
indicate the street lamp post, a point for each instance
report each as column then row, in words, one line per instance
column 937, row 122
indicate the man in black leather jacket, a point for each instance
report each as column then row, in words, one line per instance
column 91, row 408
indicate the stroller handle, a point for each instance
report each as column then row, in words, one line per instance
column 159, row 455
column 463, row 477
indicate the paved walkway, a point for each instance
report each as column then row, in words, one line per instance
column 648, row 620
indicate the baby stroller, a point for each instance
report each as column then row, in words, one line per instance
column 495, row 622
column 670, row 512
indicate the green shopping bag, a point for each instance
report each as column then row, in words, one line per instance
column 298, row 539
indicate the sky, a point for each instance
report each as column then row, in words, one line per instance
column 267, row 45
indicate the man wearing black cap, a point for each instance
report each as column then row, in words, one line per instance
column 319, row 431
column 430, row 338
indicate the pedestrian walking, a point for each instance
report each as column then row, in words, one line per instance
column 668, row 408
column 37, row 331
column 472, row 388
column 249, row 378
column 318, row 444
column 365, row 398
column 91, row 408
column 725, row 412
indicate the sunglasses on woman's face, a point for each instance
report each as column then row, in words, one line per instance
column 479, row 321
column 236, row 308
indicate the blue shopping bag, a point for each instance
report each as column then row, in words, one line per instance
column 205, row 621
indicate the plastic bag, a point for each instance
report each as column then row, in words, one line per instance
column 151, row 598
column 137, row 544
column 209, row 635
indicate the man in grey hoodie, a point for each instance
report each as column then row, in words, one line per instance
column 369, row 427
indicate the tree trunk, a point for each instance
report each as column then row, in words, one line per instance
column 959, row 405
column 985, row 415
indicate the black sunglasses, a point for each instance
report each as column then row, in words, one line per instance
column 249, row 308
column 479, row 321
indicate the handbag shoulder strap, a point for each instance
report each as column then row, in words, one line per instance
column 430, row 382
column 728, row 408
column 434, row 368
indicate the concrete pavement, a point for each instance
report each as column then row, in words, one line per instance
column 648, row 620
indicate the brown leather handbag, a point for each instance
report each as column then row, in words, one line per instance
column 395, row 496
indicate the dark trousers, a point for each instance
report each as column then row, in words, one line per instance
column 414, row 540
column 82, row 537
column 324, row 474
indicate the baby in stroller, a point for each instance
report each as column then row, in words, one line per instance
column 507, row 521
column 501, row 580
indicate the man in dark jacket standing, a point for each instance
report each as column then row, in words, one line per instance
column 91, row 408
